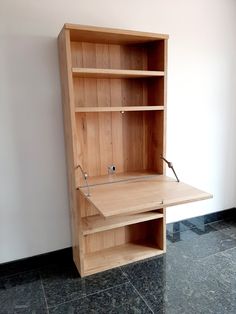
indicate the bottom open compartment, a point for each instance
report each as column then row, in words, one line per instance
column 119, row 246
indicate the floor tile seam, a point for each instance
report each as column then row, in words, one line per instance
column 203, row 258
column 44, row 294
column 136, row 290
column 20, row 272
column 224, row 233
column 87, row 295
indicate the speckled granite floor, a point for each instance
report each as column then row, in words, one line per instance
column 197, row 275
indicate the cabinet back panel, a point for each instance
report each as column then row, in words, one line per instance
column 118, row 236
column 131, row 141
column 91, row 92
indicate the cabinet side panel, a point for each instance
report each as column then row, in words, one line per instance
column 165, row 99
column 70, row 140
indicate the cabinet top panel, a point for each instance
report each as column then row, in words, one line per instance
column 111, row 35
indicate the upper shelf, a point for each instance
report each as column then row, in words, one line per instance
column 111, row 73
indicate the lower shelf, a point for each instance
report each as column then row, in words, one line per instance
column 117, row 256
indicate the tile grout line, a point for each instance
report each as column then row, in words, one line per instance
column 21, row 272
column 200, row 259
column 87, row 295
column 44, row 294
column 144, row 300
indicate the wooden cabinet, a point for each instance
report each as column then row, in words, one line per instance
column 114, row 100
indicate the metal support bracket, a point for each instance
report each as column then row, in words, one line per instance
column 85, row 176
column 170, row 165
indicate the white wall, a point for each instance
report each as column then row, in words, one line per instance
column 201, row 108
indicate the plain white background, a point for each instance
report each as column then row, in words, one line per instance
column 201, row 137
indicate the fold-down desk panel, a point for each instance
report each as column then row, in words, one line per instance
column 140, row 195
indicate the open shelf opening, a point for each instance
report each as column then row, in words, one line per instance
column 143, row 233
column 148, row 56
column 128, row 141
column 115, row 247
column 92, row 92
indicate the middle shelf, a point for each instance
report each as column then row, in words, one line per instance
column 114, row 73
column 98, row 223
column 118, row 109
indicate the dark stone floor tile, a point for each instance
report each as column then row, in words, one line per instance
column 22, row 293
column 205, row 245
column 149, row 278
column 190, row 234
column 221, row 266
column 177, row 284
column 198, row 295
column 183, row 225
column 227, row 227
column 63, row 283
column 120, row 299
column 231, row 254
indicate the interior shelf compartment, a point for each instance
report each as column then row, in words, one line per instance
column 118, row 177
column 141, row 195
column 111, row 73
column 119, row 246
column 119, row 109
column 98, row 223
column 127, row 141
column 122, row 92
column 118, row 256
column 120, row 56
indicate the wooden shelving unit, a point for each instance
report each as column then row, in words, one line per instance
column 114, row 100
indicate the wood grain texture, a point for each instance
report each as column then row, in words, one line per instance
column 142, row 195
column 119, row 109
column 127, row 140
column 110, row 35
column 70, row 142
column 97, row 223
column 110, row 73
column 118, row 256
column 119, row 177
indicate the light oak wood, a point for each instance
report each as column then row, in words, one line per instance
column 118, row 92
column 111, row 35
column 118, row 256
column 108, row 73
column 117, row 144
column 118, row 177
column 97, row 223
column 142, row 195
column 70, row 140
column 114, row 101
column 119, row 109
